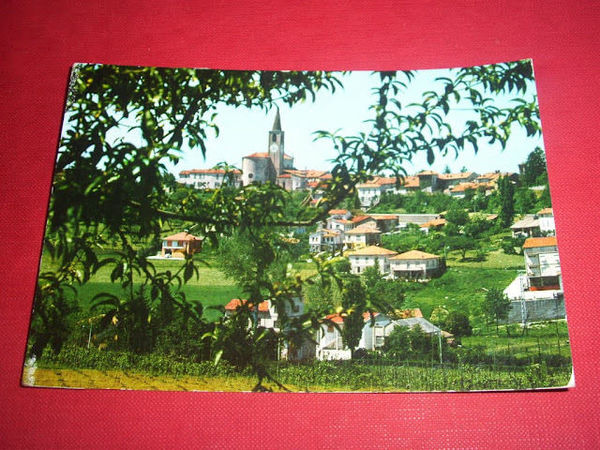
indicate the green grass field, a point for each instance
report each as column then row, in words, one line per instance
column 461, row 287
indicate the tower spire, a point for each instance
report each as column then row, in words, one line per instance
column 277, row 122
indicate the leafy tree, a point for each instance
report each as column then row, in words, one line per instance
column 525, row 201
column 457, row 216
column 408, row 343
column 534, row 168
column 507, row 203
column 439, row 315
column 496, row 306
column 461, row 243
column 117, row 190
column 458, row 324
column 382, row 295
column 477, row 225
column 354, row 305
column 544, row 201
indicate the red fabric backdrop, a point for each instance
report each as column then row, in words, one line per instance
column 40, row 40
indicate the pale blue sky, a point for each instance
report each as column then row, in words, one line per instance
column 244, row 131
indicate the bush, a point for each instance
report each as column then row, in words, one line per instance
column 458, row 324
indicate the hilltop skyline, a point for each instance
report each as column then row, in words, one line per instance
column 244, row 131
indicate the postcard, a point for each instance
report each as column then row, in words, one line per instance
column 300, row 231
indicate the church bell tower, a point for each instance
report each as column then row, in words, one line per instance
column 276, row 149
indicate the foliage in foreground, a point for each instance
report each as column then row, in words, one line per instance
column 374, row 375
column 115, row 189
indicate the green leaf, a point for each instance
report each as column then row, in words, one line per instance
column 430, row 156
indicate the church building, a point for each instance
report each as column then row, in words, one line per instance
column 271, row 165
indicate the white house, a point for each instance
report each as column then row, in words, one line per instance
column 376, row 328
column 411, row 322
column 435, row 224
column 330, row 345
column 180, row 245
column 529, row 225
column 370, row 256
column 537, row 294
column 362, row 236
column 210, row 178
column 546, row 221
column 268, row 317
column 415, row 264
column 326, row 240
column 370, row 193
column 542, row 263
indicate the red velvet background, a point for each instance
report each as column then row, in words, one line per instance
column 40, row 40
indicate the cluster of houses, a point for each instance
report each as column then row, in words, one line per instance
column 453, row 184
column 273, row 165
column 343, row 231
column 328, row 343
column 278, row 167
column 535, row 225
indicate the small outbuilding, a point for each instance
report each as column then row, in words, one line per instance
column 180, row 245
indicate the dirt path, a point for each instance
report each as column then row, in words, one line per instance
column 115, row 379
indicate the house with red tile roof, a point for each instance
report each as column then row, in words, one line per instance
column 376, row 327
column 210, row 178
column 416, row 265
column 180, row 245
column 362, row 236
column 370, row 256
column 546, row 221
column 330, row 345
column 268, row 317
column 435, row 224
column 537, row 294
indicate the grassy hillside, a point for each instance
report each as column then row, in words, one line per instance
column 462, row 286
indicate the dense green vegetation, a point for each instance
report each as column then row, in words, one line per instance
column 113, row 199
column 513, row 362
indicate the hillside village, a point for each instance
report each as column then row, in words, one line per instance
column 535, row 294
column 305, row 267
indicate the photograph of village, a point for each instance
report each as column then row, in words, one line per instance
column 217, row 230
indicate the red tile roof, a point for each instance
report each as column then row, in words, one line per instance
column 384, row 217
column 364, row 229
column 307, row 173
column 358, row 219
column 414, row 254
column 367, row 315
column 535, row 242
column 340, row 212
column 208, row 171
column 336, row 318
column 455, row 176
column 182, row 236
column 264, row 155
column 434, row 223
column 372, row 250
column 411, row 182
column 236, row 303
column 464, row 187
